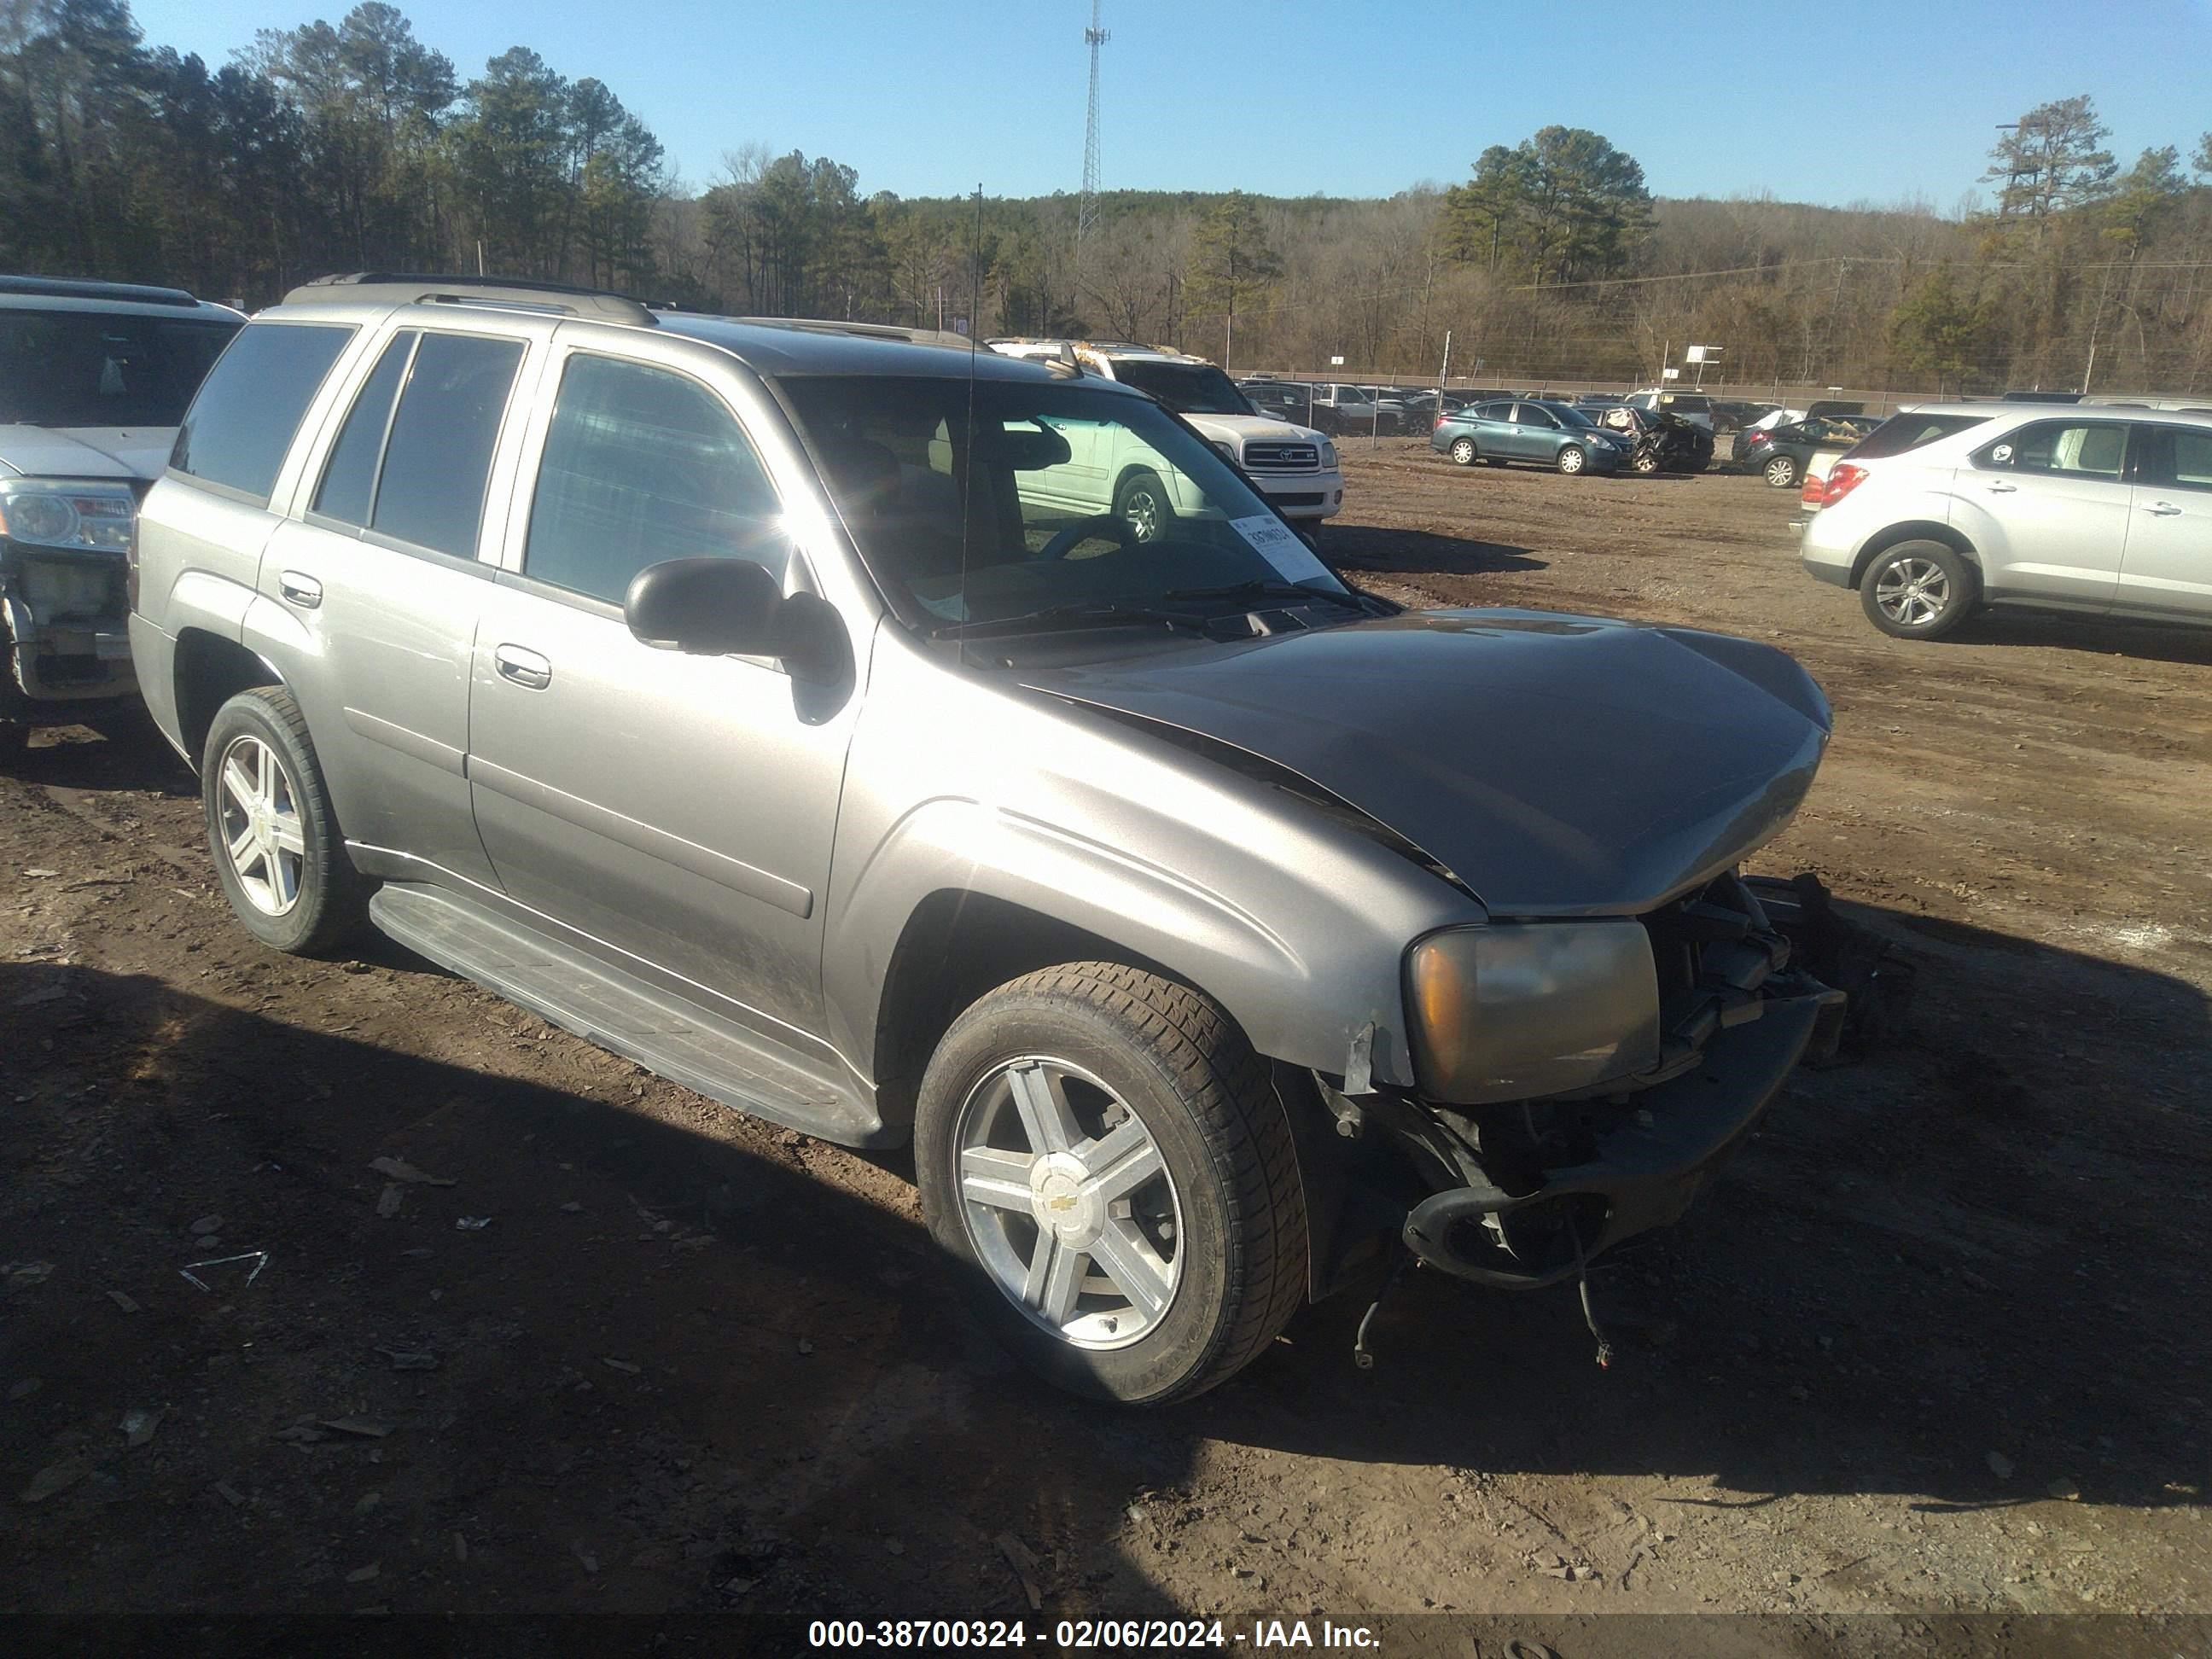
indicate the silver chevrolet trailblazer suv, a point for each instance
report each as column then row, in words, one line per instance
column 746, row 697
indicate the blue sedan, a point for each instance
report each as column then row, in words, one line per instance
column 1554, row 435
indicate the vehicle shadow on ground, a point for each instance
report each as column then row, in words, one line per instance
column 724, row 1381
column 2149, row 641
column 1375, row 550
column 134, row 757
column 1984, row 1238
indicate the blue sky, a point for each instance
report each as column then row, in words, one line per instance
column 1861, row 100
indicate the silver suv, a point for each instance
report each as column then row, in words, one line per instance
column 1950, row 507
column 749, row 698
column 93, row 378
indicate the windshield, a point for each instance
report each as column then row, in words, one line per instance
column 1066, row 495
column 80, row 368
column 1187, row 388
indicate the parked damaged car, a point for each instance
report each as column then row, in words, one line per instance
column 747, row 697
column 93, row 378
column 1660, row 442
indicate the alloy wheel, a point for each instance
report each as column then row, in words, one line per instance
column 1068, row 1200
column 1140, row 510
column 261, row 828
column 1912, row 592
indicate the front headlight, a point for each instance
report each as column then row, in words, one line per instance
column 1328, row 456
column 1227, row 451
column 47, row 512
column 1520, row 1010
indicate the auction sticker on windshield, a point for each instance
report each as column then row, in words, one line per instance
column 1275, row 542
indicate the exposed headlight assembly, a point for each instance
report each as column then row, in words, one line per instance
column 95, row 518
column 1517, row 1010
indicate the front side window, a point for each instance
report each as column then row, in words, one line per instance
column 2073, row 449
column 2175, row 457
column 251, row 404
column 1055, row 494
column 1530, row 415
column 438, row 458
column 640, row 465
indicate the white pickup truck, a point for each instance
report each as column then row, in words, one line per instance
column 1295, row 467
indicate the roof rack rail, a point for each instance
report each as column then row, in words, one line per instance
column 87, row 288
column 933, row 336
column 393, row 288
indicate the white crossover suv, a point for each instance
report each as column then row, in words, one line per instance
column 1950, row 507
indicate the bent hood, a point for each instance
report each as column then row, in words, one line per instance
column 139, row 452
column 1556, row 765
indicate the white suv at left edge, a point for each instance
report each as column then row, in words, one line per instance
column 1294, row 467
column 1950, row 507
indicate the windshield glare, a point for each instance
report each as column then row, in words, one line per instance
column 79, row 368
column 1058, row 495
column 1187, row 388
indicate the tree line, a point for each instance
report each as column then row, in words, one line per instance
column 358, row 146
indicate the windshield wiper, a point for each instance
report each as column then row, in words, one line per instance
column 1265, row 590
column 1075, row 613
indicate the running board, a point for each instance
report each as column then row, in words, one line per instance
column 666, row 1033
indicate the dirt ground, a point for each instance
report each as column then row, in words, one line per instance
column 1937, row 1342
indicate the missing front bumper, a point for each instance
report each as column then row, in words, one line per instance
column 1647, row 1170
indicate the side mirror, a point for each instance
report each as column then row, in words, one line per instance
column 708, row 607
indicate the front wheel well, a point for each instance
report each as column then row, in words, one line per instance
column 210, row 670
column 956, row 947
column 1912, row 530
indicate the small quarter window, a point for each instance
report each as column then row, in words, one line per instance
column 348, row 486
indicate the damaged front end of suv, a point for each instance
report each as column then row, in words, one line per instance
column 1584, row 1079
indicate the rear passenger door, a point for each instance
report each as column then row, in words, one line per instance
column 674, row 812
column 2168, row 564
column 2056, row 510
column 382, row 576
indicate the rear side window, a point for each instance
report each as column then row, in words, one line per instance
column 348, row 486
column 2070, row 449
column 1903, row 432
column 438, row 457
column 640, row 465
column 238, row 429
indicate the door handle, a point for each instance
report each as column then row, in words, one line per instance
column 2163, row 510
column 2000, row 488
column 301, row 589
column 524, row 667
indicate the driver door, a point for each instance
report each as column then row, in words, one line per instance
column 674, row 811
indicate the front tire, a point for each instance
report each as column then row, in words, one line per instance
column 1462, row 451
column 1919, row 590
column 1782, row 472
column 1101, row 1156
column 1571, row 459
column 278, row 853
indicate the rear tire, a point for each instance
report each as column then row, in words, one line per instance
column 1919, row 590
column 1782, row 472
column 1464, row 452
column 1087, row 1053
column 15, row 742
column 279, row 855
column 1143, row 504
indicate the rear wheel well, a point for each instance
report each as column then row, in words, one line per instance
column 211, row 670
column 1914, row 530
column 957, row 946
